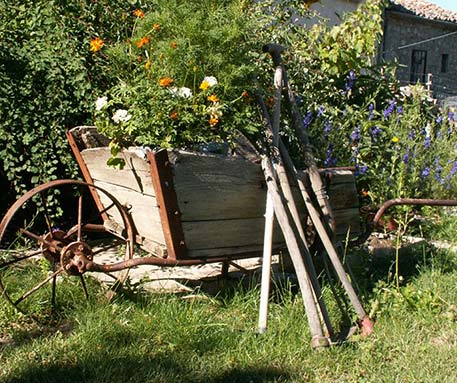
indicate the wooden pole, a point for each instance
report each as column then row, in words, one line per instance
column 365, row 322
column 273, row 135
column 266, row 265
column 291, row 205
column 318, row 338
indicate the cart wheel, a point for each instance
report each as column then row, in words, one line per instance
column 42, row 232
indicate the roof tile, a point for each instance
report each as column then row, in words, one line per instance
column 425, row 9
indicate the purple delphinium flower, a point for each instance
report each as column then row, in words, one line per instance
column 425, row 172
column 375, row 131
column 307, row 120
column 427, row 142
column 350, row 80
column 320, row 111
column 400, row 109
column 405, row 158
column 370, row 111
column 438, row 170
column 355, row 135
column 360, row 169
column 330, row 160
column 389, row 109
column 439, row 119
column 454, row 168
column 412, row 134
column 327, row 128
column 450, row 116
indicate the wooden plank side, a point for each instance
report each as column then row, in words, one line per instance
column 218, row 188
column 227, row 233
column 142, row 207
column 135, row 174
column 345, row 219
column 343, row 196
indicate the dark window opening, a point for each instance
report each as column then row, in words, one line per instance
column 444, row 63
column 418, row 66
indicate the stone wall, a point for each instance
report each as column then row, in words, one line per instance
column 403, row 30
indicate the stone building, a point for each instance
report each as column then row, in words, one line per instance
column 422, row 37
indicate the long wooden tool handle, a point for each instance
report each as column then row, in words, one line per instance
column 291, row 205
column 318, row 186
column 266, row 265
column 367, row 326
column 272, row 135
column 318, row 338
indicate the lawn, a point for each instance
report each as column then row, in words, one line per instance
column 144, row 337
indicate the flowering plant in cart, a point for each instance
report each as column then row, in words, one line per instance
column 173, row 91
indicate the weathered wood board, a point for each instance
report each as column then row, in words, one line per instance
column 217, row 187
column 221, row 199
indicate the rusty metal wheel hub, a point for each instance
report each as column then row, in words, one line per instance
column 53, row 243
column 75, row 256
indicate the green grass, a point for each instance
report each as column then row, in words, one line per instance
column 164, row 338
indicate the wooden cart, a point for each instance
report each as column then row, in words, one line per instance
column 182, row 208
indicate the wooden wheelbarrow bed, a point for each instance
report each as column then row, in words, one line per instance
column 193, row 205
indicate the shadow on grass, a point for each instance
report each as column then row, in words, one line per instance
column 100, row 368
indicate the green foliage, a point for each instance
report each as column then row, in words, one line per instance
column 46, row 85
column 163, row 98
column 399, row 142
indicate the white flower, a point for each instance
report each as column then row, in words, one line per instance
column 211, row 80
column 181, row 92
column 121, row 115
column 184, row 92
column 101, row 103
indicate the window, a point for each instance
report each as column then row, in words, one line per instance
column 418, row 66
column 444, row 63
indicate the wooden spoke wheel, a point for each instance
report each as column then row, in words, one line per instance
column 48, row 234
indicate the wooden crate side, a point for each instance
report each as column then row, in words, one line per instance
column 234, row 234
column 218, row 188
column 344, row 201
column 142, row 208
column 347, row 220
column 135, row 175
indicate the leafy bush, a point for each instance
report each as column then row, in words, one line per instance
column 356, row 114
column 185, row 76
column 46, row 85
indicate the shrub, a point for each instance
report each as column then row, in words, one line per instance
column 46, row 83
column 401, row 145
column 185, row 76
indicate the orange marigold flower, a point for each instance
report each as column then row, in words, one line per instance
column 174, row 115
column 213, row 98
column 213, row 120
column 173, row 44
column 364, row 193
column 142, row 42
column 245, row 94
column 138, row 13
column 156, row 27
column 165, row 81
column 96, row 44
column 148, row 64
